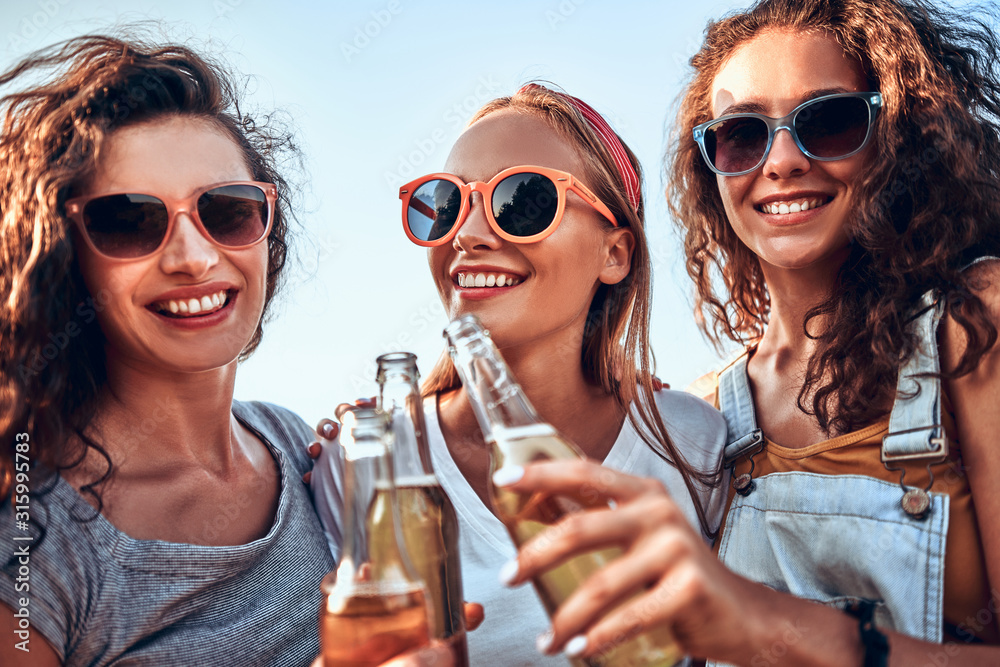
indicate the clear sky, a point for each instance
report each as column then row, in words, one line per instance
column 377, row 91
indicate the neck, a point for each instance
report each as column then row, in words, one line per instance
column 173, row 419
column 793, row 292
column 550, row 373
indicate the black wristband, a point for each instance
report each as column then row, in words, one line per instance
column 875, row 643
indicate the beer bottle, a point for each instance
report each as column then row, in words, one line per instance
column 427, row 517
column 374, row 605
column 517, row 436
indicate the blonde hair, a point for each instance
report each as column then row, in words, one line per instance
column 616, row 353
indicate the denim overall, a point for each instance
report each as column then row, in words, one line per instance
column 840, row 538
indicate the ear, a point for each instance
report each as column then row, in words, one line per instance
column 618, row 246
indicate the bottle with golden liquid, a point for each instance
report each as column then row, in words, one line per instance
column 374, row 605
column 427, row 517
column 517, row 436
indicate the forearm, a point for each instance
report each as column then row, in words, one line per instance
column 793, row 632
column 786, row 630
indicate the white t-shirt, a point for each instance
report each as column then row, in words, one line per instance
column 515, row 616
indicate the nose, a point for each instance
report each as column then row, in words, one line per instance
column 187, row 250
column 785, row 159
column 475, row 232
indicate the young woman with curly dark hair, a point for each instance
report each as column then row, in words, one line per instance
column 154, row 519
column 836, row 175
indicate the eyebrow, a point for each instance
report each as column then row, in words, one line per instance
column 757, row 107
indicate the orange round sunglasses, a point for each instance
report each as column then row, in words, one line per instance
column 523, row 204
column 131, row 225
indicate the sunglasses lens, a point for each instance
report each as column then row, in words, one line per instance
column 525, row 204
column 433, row 209
column 125, row 225
column 736, row 144
column 234, row 215
column 833, row 128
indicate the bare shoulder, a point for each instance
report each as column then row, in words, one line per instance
column 976, row 394
column 984, row 281
column 984, row 278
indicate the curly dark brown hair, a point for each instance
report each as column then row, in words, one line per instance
column 927, row 203
column 52, row 361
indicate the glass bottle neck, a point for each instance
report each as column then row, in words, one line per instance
column 399, row 397
column 365, row 472
column 497, row 400
column 371, row 524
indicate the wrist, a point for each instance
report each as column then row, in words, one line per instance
column 785, row 630
column 874, row 644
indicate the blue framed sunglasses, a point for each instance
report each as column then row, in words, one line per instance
column 826, row 128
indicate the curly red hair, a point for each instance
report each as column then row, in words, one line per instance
column 927, row 204
column 51, row 350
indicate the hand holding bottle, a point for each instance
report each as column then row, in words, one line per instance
column 667, row 576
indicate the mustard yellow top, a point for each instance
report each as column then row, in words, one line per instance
column 966, row 585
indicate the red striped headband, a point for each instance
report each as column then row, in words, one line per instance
column 608, row 137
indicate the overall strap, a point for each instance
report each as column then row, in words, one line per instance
column 736, row 404
column 915, row 430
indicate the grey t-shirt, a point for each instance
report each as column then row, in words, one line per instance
column 100, row 597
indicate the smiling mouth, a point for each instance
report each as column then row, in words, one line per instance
column 193, row 307
column 487, row 280
column 793, row 205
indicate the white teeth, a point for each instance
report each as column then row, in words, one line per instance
column 486, row 280
column 209, row 302
column 791, row 207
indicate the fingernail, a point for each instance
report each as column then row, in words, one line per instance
column 327, row 430
column 543, row 642
column 508, row 475
column 306, row 478
column 508, row 572
column 314, row 449
column 576, row 646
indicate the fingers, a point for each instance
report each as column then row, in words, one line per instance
column 652, row 612
column 575, row 534
column 587, row 481
column 327, row 428
column 659, row 384
column 652, row 561
column 358, row 403
column 474, row 615
column 307, row 478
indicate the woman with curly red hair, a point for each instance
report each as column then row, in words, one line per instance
column 836, row 176
column 143, row 223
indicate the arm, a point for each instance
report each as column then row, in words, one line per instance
column 41, row 653
column 668, row 576
column 976, row 400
